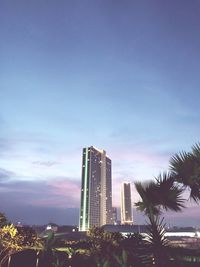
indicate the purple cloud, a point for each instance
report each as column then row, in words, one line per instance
column 57, row 193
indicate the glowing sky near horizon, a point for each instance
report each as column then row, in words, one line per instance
column 120, row 75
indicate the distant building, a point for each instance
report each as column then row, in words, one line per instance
column 52, row 226
column 126, row 229
column 126, row 204
column 96, row 189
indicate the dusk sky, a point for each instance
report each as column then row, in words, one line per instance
column 122, row 76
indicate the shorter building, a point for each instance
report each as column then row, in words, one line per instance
column 52, row 227
column 125, row 229
column 126, row 204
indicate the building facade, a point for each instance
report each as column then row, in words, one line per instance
column 126, row 204
column 96, row 189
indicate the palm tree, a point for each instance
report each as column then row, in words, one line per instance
column 185, row 168
column 165, row 193
column 162, row 194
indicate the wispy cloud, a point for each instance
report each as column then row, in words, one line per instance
column 45, row 163
column 5, row 175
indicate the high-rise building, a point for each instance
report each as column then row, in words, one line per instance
column 126, row 204
column 96, row 189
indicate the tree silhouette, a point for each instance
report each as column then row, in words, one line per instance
column 185, row 167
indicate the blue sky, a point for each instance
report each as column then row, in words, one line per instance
column 120, row 75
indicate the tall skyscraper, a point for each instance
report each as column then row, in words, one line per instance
column 126, row 204
column 96, row 189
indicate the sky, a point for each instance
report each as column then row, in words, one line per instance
column 122, row 76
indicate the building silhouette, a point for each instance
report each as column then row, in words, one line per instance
column 96, row 189
column 126, row 204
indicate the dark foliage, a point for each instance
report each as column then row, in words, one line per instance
column 186, row 171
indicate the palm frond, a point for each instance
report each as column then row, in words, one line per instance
column 161, row 193
column 147, row 209
column 170, row 193
column 181, row 165
column 196, row 150
column 156, row 232
column 147, row 192
column 186, row 171
column 195, row 192
column 158, row 241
